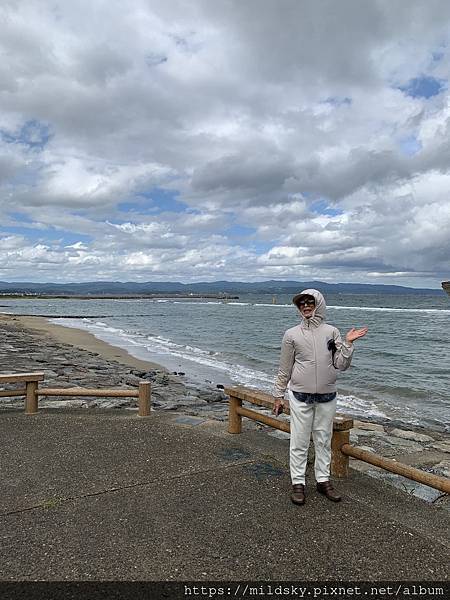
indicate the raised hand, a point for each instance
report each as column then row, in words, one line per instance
column 354, row 334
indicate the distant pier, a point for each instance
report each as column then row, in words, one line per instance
column 170, row 296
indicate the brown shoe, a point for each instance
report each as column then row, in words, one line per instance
column 328, row 490
column 298, row 493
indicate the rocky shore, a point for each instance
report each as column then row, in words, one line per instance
column 31, row 344
column 72, row 358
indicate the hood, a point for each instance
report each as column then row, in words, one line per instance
column 321, row 307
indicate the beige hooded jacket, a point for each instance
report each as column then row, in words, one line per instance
column 307, row 364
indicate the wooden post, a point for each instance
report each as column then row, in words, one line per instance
column 234, row 419
column 31, row 400
column 341, row 436
column 144, row 399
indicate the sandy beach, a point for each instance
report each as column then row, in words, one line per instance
column 85, row 341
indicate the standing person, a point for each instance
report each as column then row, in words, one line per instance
column 311, row 354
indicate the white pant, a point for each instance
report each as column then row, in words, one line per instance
column 318, row 418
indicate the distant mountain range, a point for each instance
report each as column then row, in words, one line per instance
column 214, row 287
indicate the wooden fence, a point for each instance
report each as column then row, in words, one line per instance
column 32, row 391
column 341, row 449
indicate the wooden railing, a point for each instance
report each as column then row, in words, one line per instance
column 32, row 391
column 341, row 449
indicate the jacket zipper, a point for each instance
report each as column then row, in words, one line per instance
column 315, row 357
column 311, row 329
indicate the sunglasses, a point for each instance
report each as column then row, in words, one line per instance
column 303, row 303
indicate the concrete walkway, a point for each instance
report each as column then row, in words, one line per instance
column 106, row 495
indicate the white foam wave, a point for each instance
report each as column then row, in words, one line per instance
column 384, row 309
column 163, row 346
column 359, row 407
column 238, row 303
column 161, row 349
column 194, row 302
column 275, row 305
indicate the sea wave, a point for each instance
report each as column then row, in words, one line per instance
column 359, row 407
column 330, row 307
column 214, row 364
column 158, row 345
column 386, row 309
column 239, row 303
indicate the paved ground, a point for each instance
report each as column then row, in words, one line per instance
column 107, row 495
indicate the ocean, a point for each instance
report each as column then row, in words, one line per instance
column 400, row 370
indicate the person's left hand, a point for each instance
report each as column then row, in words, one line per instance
column 354, row 334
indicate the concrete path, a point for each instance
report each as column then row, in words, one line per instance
column 106, row 495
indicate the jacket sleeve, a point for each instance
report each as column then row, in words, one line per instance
column 286, row 363
column 344, row 352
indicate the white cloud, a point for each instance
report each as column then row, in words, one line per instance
column 280, row 125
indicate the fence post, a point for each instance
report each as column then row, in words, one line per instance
column 144, row 398
column 341, row 436
column 31, row 400
column 234, row 419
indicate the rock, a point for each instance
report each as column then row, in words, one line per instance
column 169, row 406
column 162, row 379
column 219, row 386
column 406, row 445
column 406, row 485
column 112, row 403
column 214, row 397
column 443, row 446
column 150, row 376
column 443, row 468
column 69, row 403
column 139, row 373
column 371, row 433
column 411, row 435
column 368, row 426
column 367, row 448
column 131, row 380
column 187, row 399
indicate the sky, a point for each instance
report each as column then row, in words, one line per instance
column 199, row 140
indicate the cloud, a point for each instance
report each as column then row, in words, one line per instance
column 294, row 139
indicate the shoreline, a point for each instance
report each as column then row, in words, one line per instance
column 382, row 392
column 195, row 378
column 85, row 340
column 72, row 357
column 79, row 338
column 76, row 358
